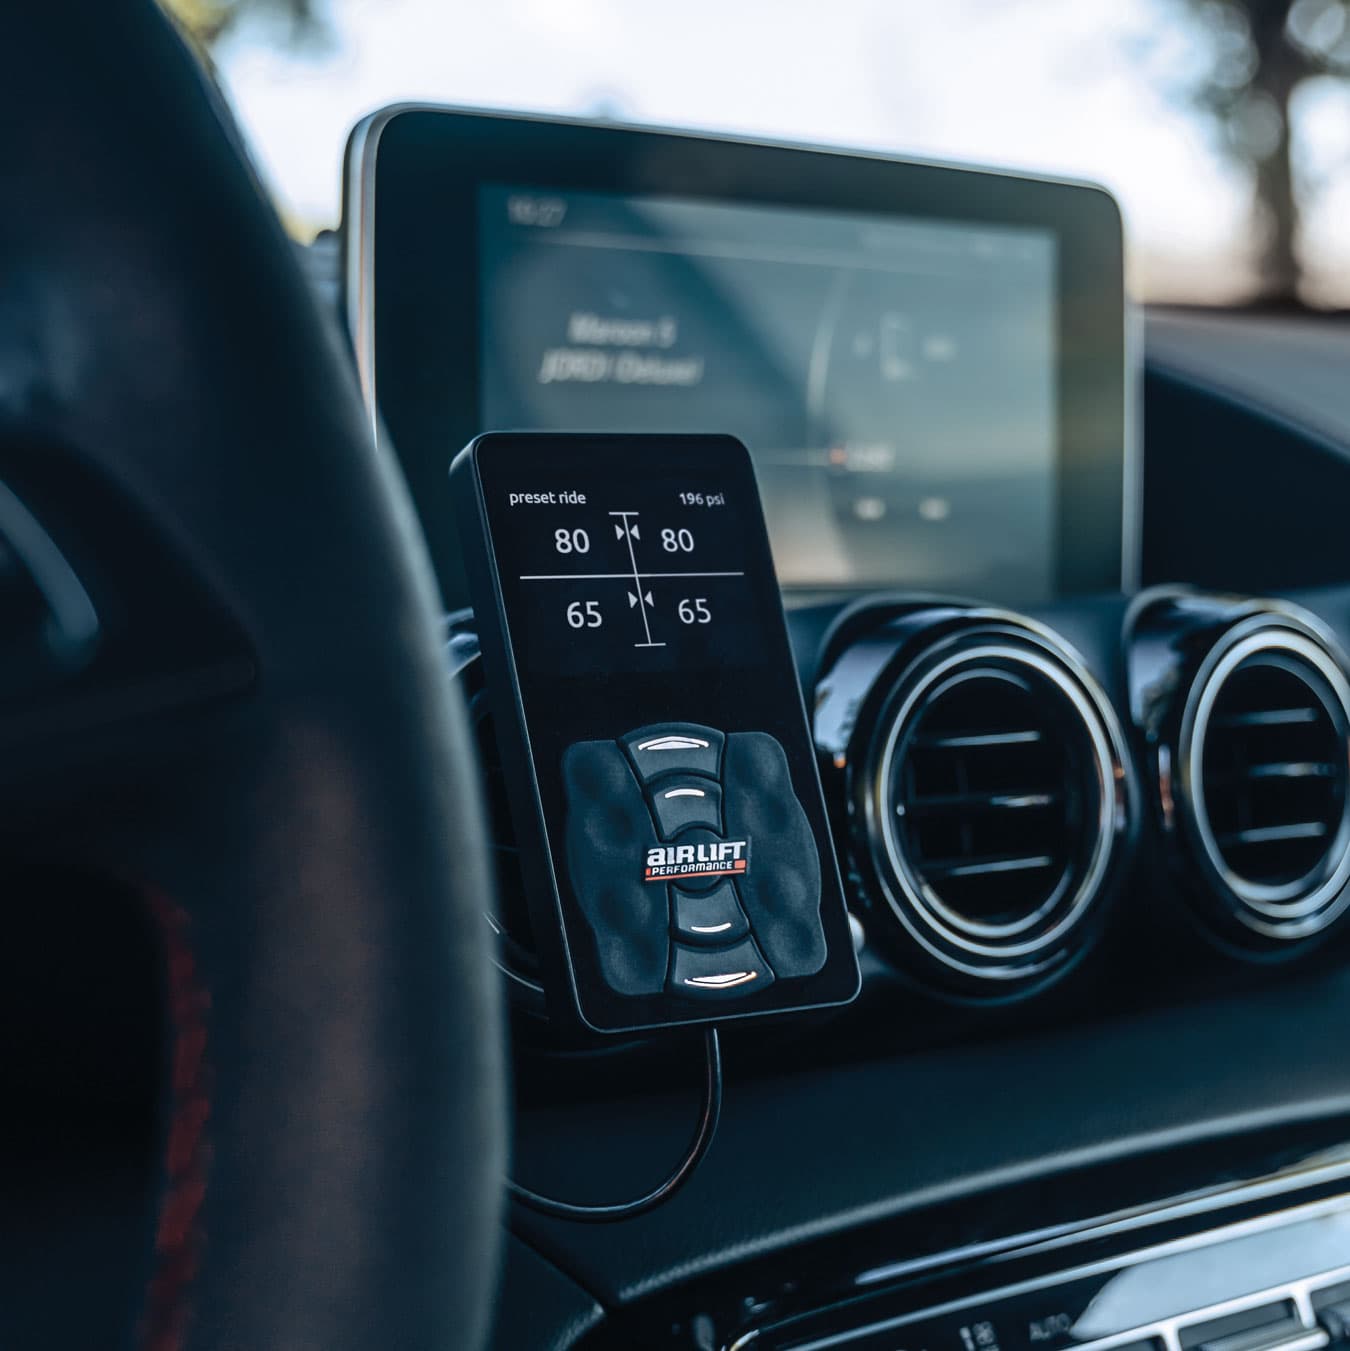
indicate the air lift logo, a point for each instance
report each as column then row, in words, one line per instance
column 716, row 859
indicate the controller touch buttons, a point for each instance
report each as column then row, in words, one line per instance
column 679, row 802
column 708, row 917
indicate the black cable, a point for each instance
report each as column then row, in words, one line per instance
column 709, row 1114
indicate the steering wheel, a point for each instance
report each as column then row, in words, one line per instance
column 232, row 696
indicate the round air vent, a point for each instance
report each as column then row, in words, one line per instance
column 1265, row 778
column 996, row 801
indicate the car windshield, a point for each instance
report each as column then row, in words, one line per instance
column 1222, row 126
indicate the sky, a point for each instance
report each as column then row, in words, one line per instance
column 1074, row 88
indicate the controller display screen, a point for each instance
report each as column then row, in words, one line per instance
column 604, row 573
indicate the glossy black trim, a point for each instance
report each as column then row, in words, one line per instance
column 824, row 1289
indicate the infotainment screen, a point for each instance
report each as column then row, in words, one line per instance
column 927, row 364
column 894, row 378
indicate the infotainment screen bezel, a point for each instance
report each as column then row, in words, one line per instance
column 410, row 243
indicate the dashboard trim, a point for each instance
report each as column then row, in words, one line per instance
column 1298, row 1291
column 1132, row 499
column 1038, row 1241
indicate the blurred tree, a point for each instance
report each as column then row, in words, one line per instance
column 207, row 21
column 1256, row 54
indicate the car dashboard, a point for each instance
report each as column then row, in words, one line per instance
column 1071, row 624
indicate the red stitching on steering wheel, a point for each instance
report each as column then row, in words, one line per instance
column 178, row 1236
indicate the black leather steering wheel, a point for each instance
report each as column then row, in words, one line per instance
column 281, row 769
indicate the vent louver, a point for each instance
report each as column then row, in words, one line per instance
column 1266, row 774
column 1000, row 799
column 986, row 797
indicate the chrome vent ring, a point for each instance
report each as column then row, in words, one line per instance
column 1264, row 760
column 996, row 802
